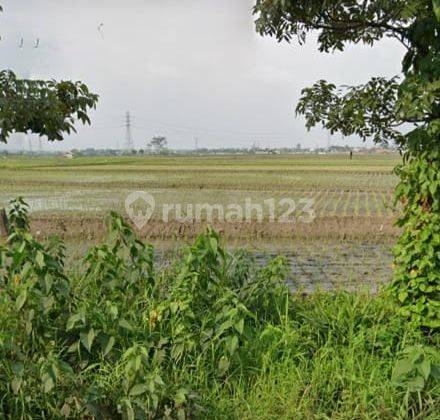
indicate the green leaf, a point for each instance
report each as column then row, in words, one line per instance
column 21, row 299
column 123, row 323
column 73, row 348
column 72, row 321
column 138, row 390
column 39, row 259
column 159, row 381
column 109, row 346
column 435, row 372
column 402, row 296
column 433, row 188
column 436, row 5
column 214, row 245
column 223, row 327
column 65, row 367
column 416, row 385
column 47, row 303
column 402, row 368
column 239, row 326
column 424, row 369
column 232, row 344
column 16, row 385
column 223, row 365
column 129, row 412
column 180, row 397
column 48, row 382
column 17, row 368
column 87, row 339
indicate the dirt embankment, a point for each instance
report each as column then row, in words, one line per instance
column 338, row 228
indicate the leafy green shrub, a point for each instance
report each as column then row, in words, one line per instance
column 417, row 265
column 402, row 110
column 121, row 338
column 119, row 319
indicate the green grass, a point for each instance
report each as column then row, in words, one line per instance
column 210, row 335
column 338, row 353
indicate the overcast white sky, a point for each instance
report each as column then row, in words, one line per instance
column 184, row 69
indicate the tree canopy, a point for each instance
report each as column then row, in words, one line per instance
column 47, row 108
column 339, row 21
column 378, row 108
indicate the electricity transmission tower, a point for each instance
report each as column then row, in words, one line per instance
column 128, row 137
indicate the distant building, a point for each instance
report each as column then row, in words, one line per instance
column 68, row 155
column 383, row 151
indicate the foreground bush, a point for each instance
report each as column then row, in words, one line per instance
column 210, row 336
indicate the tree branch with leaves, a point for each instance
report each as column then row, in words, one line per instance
column 44, row 107
column 379, row 110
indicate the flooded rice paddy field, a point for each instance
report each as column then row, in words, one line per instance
column 336, row 185
column 359, row 192
column 347, row 266
column 93, row 201
column 312, row 265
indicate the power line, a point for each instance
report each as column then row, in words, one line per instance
column 193, row 129
column 144, row 123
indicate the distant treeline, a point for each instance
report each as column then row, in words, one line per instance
column 203, row 151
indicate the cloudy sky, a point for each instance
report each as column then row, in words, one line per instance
column 184, row 69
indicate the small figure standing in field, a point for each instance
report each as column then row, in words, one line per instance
column 351, row 154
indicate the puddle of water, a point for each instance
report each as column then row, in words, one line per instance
column 350, row 266
column 312, row 266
